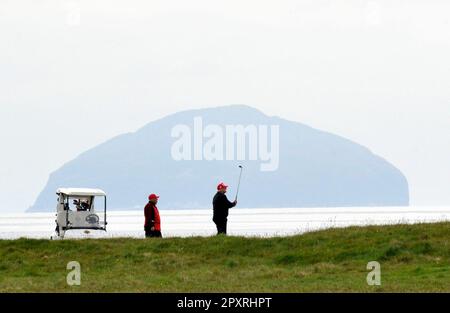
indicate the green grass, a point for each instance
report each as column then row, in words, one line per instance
column 413, row 258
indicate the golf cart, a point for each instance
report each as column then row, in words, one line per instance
column 76, row 209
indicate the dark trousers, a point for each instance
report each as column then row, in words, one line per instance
column 152, row 233
column 221, row 225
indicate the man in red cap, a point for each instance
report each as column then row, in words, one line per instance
column 221, row 205
column 152, row 224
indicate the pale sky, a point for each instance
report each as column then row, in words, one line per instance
column 376, row 72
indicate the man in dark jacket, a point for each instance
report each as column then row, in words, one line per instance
column 221, row 205
column 152, row 225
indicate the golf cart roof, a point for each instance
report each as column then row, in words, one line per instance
column 80, row 192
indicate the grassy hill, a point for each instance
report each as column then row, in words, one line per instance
column 412, row 258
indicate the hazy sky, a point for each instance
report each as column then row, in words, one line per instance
column 76, row 73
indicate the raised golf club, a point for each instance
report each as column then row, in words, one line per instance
column 239, row 183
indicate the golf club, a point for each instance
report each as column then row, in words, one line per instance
column 239, row 183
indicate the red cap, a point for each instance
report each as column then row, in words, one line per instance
column 153, row 197
column 222, row 186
